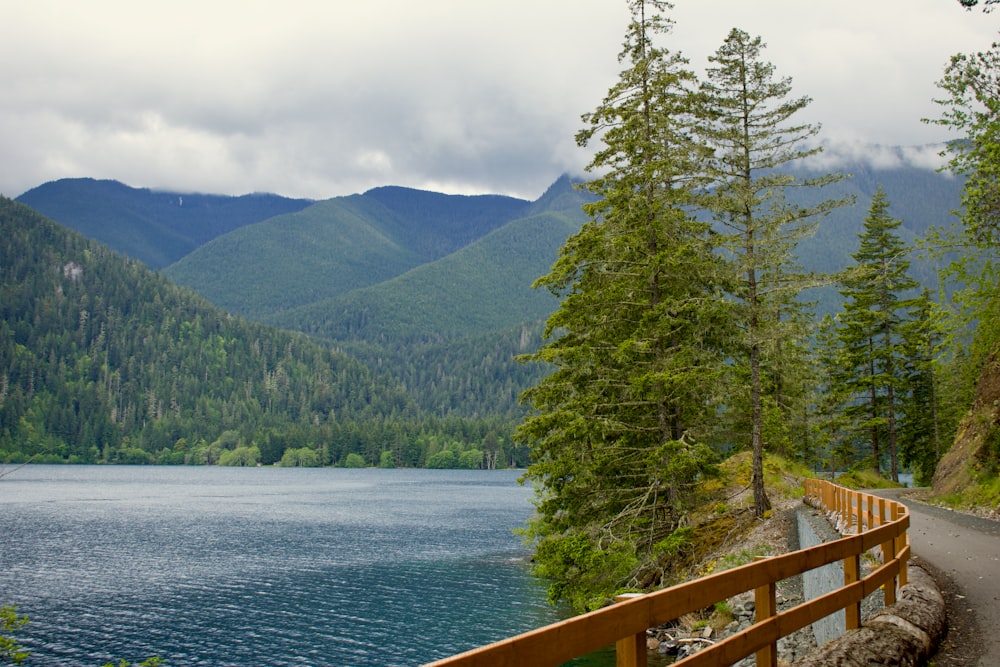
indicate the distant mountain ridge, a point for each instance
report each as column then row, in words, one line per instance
column 483, row 286
column 336, row 246
column 155, row 227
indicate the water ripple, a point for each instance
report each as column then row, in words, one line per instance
column 265, row 567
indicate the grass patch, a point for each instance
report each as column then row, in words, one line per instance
column 982, row 493
column 865, row 479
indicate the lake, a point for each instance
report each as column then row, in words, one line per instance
column 265, row 566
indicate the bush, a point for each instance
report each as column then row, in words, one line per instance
column 443, row 459
column 355, row 460
column 387, row 459
column 241, row 456
column 471, row 459
column 303, row 457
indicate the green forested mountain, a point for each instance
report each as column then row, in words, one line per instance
column 102, row 359
column 336, row 246
column 155, row 227
column 482, row 287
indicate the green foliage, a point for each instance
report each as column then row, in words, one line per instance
column 635, row 345
column 155, row 661
column 972, row 107
column 386, row 460
column 878, row 293
column 922, row 432
column 355, row 460
column 302, row 457
column 984, row 492
column 581, row 569
column 247, row 456
column 471, row 459
column 742, row 557
column 863, row 477
column 11, row 652
column 443, row 459
column 675, row 543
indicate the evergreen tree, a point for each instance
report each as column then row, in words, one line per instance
column 971, row 107
column 872, row 329
column 749, row 126
column 920, row 433
column 832, row 397
column 616, row 437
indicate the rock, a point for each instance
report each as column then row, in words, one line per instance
column 669, row 648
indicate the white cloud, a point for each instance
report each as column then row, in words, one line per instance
column 325, row 97
column 837, row 155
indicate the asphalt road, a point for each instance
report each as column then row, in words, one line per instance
column 965, row 549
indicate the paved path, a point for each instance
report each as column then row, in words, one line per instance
column 966, row 549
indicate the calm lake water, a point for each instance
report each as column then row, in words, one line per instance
column 265, row 566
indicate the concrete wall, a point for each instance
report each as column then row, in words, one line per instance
column 814, row 529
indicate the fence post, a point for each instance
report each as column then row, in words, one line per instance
column 901, row 540
column 852, row 573
column 766, row 606
column 845, row 506
column 870, row 512
column 630, row 651
column 888, row 553
column 859, row 499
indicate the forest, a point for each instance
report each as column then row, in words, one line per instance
column 104, row 361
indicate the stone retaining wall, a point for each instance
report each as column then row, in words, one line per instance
column 813, row 530
column 906, row 633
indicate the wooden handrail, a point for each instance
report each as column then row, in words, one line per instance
column 876, row 522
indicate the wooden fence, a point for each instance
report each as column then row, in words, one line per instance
column 876, row 522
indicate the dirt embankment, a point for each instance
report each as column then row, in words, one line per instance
column 977, row 444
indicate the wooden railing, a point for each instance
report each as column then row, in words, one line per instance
column 876, row 522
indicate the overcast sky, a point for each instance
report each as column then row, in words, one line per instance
column 319, row 98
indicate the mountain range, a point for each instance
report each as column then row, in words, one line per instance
column 433, row 288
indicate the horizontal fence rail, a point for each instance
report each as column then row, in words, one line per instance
column 875, row 522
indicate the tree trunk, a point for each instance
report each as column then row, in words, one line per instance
column 760, row 500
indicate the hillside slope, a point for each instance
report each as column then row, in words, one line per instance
column 155, row 227
column 966, row 476
column 336, row 246
column 483, row 287
column 103, row 360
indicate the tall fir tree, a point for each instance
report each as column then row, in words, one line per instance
column 617, row 436
column 872, row 327
column 832, row 395
column 921, row 431
column 971, row 108
column 749, row 125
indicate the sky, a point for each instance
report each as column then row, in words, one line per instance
column 322, row 98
